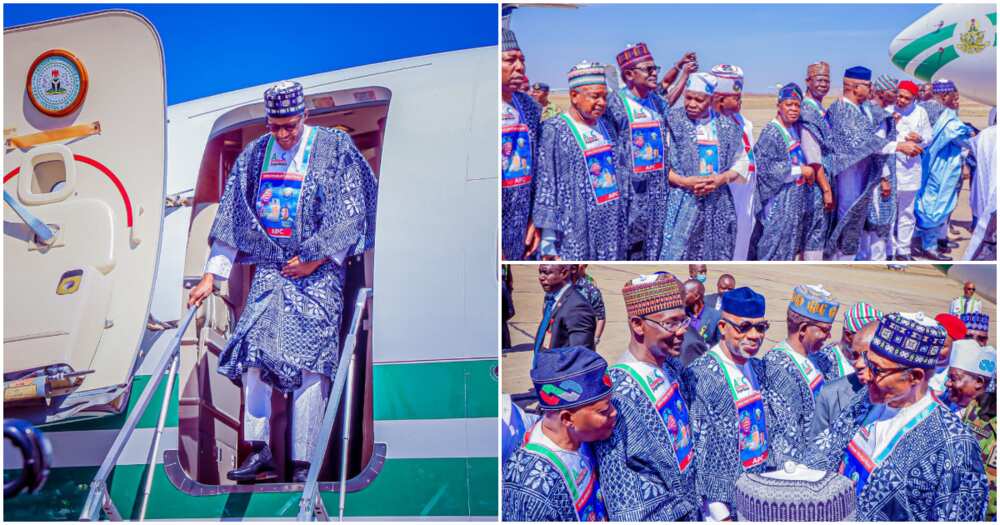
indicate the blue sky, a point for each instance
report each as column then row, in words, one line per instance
column 211, row 49
column 773, row 43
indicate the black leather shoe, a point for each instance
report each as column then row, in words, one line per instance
column 934, row 255
column 903, row 258
column 258, row 466
column 300, row 471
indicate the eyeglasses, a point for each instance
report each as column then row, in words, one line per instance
column 289, row 127
column 672, row 326
column 878, row 372
column 970, row 289
column 745, row 326
column 648, row 70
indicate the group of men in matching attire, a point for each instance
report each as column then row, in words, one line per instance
column 653, row 438
column 624, row 174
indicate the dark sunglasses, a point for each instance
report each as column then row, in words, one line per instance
column 648, row 70
column 878, row 372
column 672, row 326
column 289, row 127
column 745, row 326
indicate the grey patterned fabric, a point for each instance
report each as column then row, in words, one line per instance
column 789, row 405
column 533, row 490
column 763, row 498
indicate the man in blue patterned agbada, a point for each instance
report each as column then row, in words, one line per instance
column 298, row 202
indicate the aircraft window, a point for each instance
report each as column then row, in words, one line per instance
column 49, row 176
column 211, row 436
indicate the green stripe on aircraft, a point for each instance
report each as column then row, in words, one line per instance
column 904, row 56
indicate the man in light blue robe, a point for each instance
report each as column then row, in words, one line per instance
column 912, row 459
column 646, row 466
column 288, row 334
column 520, row 123
column 706, row 154
column 942, row 167
column 581, row 197
column 793, row 383
column 638, row 115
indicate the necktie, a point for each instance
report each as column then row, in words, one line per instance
column 550, row 301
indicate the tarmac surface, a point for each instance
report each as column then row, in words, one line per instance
column 917, row 288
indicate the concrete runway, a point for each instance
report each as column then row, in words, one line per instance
column 919, row 288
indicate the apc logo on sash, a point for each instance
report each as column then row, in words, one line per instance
column 279, row 158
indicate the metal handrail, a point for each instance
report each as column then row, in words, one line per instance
column 311, row 498
column 99, row 498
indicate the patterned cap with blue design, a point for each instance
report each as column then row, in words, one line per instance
column 812, row 301
column 967, row 355
column 729, row 79
column 790, row 91
column 587, row 74
column 910, row 339
column 701, row 82
column 976, row 321
column 570, row 377
column 943, row 85
column 284, row 99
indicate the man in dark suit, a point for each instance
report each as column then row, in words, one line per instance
column 837, row 395
column 703, row 332
column 725, row 283
column 567, row 318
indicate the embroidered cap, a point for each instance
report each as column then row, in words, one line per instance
column 790, row 91
column 570, row 377
column 858, row 73
column 910, row 86
column 857, row 316
column 729, row 79
column 649, row 294
column 540, row 86
column 795, row 494
column 812, row 301
column 587, row 74
column 969, row 356
column 633, row 54
column 976, row 321
column 743, row 302
column 943, row 86
column 886, row 83
column 701, row 82
column 910, row 339
column 953, row 326
column 509, row 41
column 284, row 99
column 818, row 68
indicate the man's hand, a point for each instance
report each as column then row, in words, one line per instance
column 896, row 117
column 710, row 183
column 909, row 149
column 296, row 269
column 914, row 137
column 828, row 202
column 886, row 188
column 532, row 239
column 690, row 67
column 808, row 175
column 201, row 290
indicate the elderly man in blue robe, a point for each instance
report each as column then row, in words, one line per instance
column 911, row 458
column 727, row 102
column 834, row 360
column 859, row 149
column 706, row 155
column 793, row 382
column 728, row 415
column 288, row 334
column 581, row 196
column 647, row 465
column 520, row 121
column 792, row 189
column 942, row 168
column 554, row 475
column 841, row 393
column 638, row 113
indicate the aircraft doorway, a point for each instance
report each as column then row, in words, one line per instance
column 211, row 440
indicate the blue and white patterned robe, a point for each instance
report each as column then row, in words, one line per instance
column 515, row 203
column 792, row 216
column 933, row 109
column 790, row 406
column 533, row 490
column 640, row 476
column 699, row 228
column 293, row 325
column 826, row 362
column 853, row 139
column 815, row 122
column 647, row 208
column 564, row 200
column 717, row 463
column 593, row 295
column 934, row 473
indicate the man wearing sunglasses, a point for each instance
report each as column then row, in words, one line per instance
column 646, row 466
column 315, row 207
column 834, row 360
column 967, row 303
column 727, row 408
column 793, row 380
column 911, row 458
column 638, row 115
